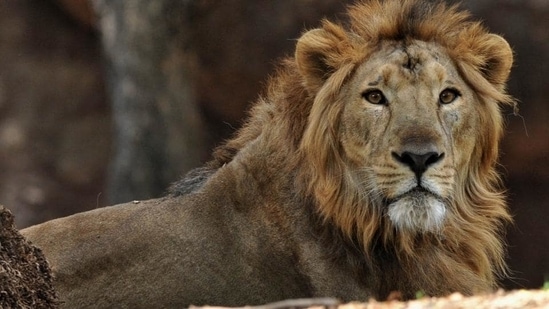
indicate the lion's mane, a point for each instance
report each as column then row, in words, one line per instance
column 301, row 113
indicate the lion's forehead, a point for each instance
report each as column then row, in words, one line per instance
column 415, row 64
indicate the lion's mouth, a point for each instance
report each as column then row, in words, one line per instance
column 418, row 192
column 417, row 210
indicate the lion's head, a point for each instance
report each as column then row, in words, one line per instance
column 402, row 137
column 395, row 121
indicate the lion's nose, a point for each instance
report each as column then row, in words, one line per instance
column 418, row 162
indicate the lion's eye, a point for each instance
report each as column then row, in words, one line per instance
column 448, row 96
column 374, row 97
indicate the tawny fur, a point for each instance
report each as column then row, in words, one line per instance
column 282, row 210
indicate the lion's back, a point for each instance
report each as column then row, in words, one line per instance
column 198, row 247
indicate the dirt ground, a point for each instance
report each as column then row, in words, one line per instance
column 25, row 277
column 519, row 299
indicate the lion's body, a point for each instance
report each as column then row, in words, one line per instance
column 196, row 249
column 369, row 167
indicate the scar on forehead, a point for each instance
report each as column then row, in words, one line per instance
column 376, row 82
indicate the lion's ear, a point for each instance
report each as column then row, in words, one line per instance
column 499, row 59
column 319, row 53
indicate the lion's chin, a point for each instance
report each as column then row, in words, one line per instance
column 417, row 211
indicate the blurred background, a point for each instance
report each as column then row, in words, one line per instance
column 107, row 101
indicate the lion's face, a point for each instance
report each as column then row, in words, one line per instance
column 408, row 124
column 402, row 133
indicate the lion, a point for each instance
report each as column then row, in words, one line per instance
column 367, row 167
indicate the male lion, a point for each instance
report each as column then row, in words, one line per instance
column 369, row 167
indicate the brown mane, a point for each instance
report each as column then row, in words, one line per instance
column 301, row 114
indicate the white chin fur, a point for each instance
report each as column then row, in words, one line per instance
column 417, row 212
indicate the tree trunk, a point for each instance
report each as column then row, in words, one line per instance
column 158, row 130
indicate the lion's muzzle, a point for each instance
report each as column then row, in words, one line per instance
column 418, row 210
